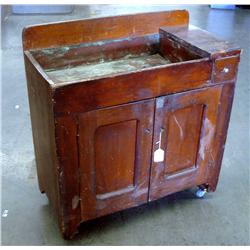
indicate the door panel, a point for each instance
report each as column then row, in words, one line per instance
column 186, row 122
column 182, row 138
column 115, row 156
column 115, row 172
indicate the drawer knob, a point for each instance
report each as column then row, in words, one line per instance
column 226, row 70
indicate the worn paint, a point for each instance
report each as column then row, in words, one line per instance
column 207, row 138
column 140, row 191
column 75, row 202
column 160, row 103
column 179, row 126
column 60, row 51
column 115, row 193
column 104, row 68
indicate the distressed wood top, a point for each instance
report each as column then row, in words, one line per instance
column 95, row 29
column 200, row 40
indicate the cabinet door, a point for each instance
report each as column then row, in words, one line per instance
column 187, row 124
column 115, row 156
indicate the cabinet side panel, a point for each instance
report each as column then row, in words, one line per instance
column 67, row 152
column 42, row 121
column 225, row 71
column 221, row 133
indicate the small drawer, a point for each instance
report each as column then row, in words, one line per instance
column 225, row 69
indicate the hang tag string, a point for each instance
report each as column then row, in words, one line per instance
column 159, row 142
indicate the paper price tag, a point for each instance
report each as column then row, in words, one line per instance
column 159, row 155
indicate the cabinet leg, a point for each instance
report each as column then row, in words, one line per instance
column 69, row 232
column 41, row 186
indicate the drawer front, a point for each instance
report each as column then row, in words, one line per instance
column 225, row 69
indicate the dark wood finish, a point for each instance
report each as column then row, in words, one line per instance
column 225, row 69
column 43, row 130
column 189, row 122
column 176, row 51
column 199, row 41
column 115, row 154
column 221, row 134
column 66, row 134
column 131, row 87
column 95, row 136
column 182, row 135
column 96, row 29
column 60, row 57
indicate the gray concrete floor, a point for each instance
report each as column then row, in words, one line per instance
column 222, row 218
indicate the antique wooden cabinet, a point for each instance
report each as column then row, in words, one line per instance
column 126, row 110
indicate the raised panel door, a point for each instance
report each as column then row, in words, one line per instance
column 114, row 157
column 184, row 130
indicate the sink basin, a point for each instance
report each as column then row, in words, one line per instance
column 89, row 61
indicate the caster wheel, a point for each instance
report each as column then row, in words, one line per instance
column 200, row 193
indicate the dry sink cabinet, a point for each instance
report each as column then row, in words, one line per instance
column 126, row 110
